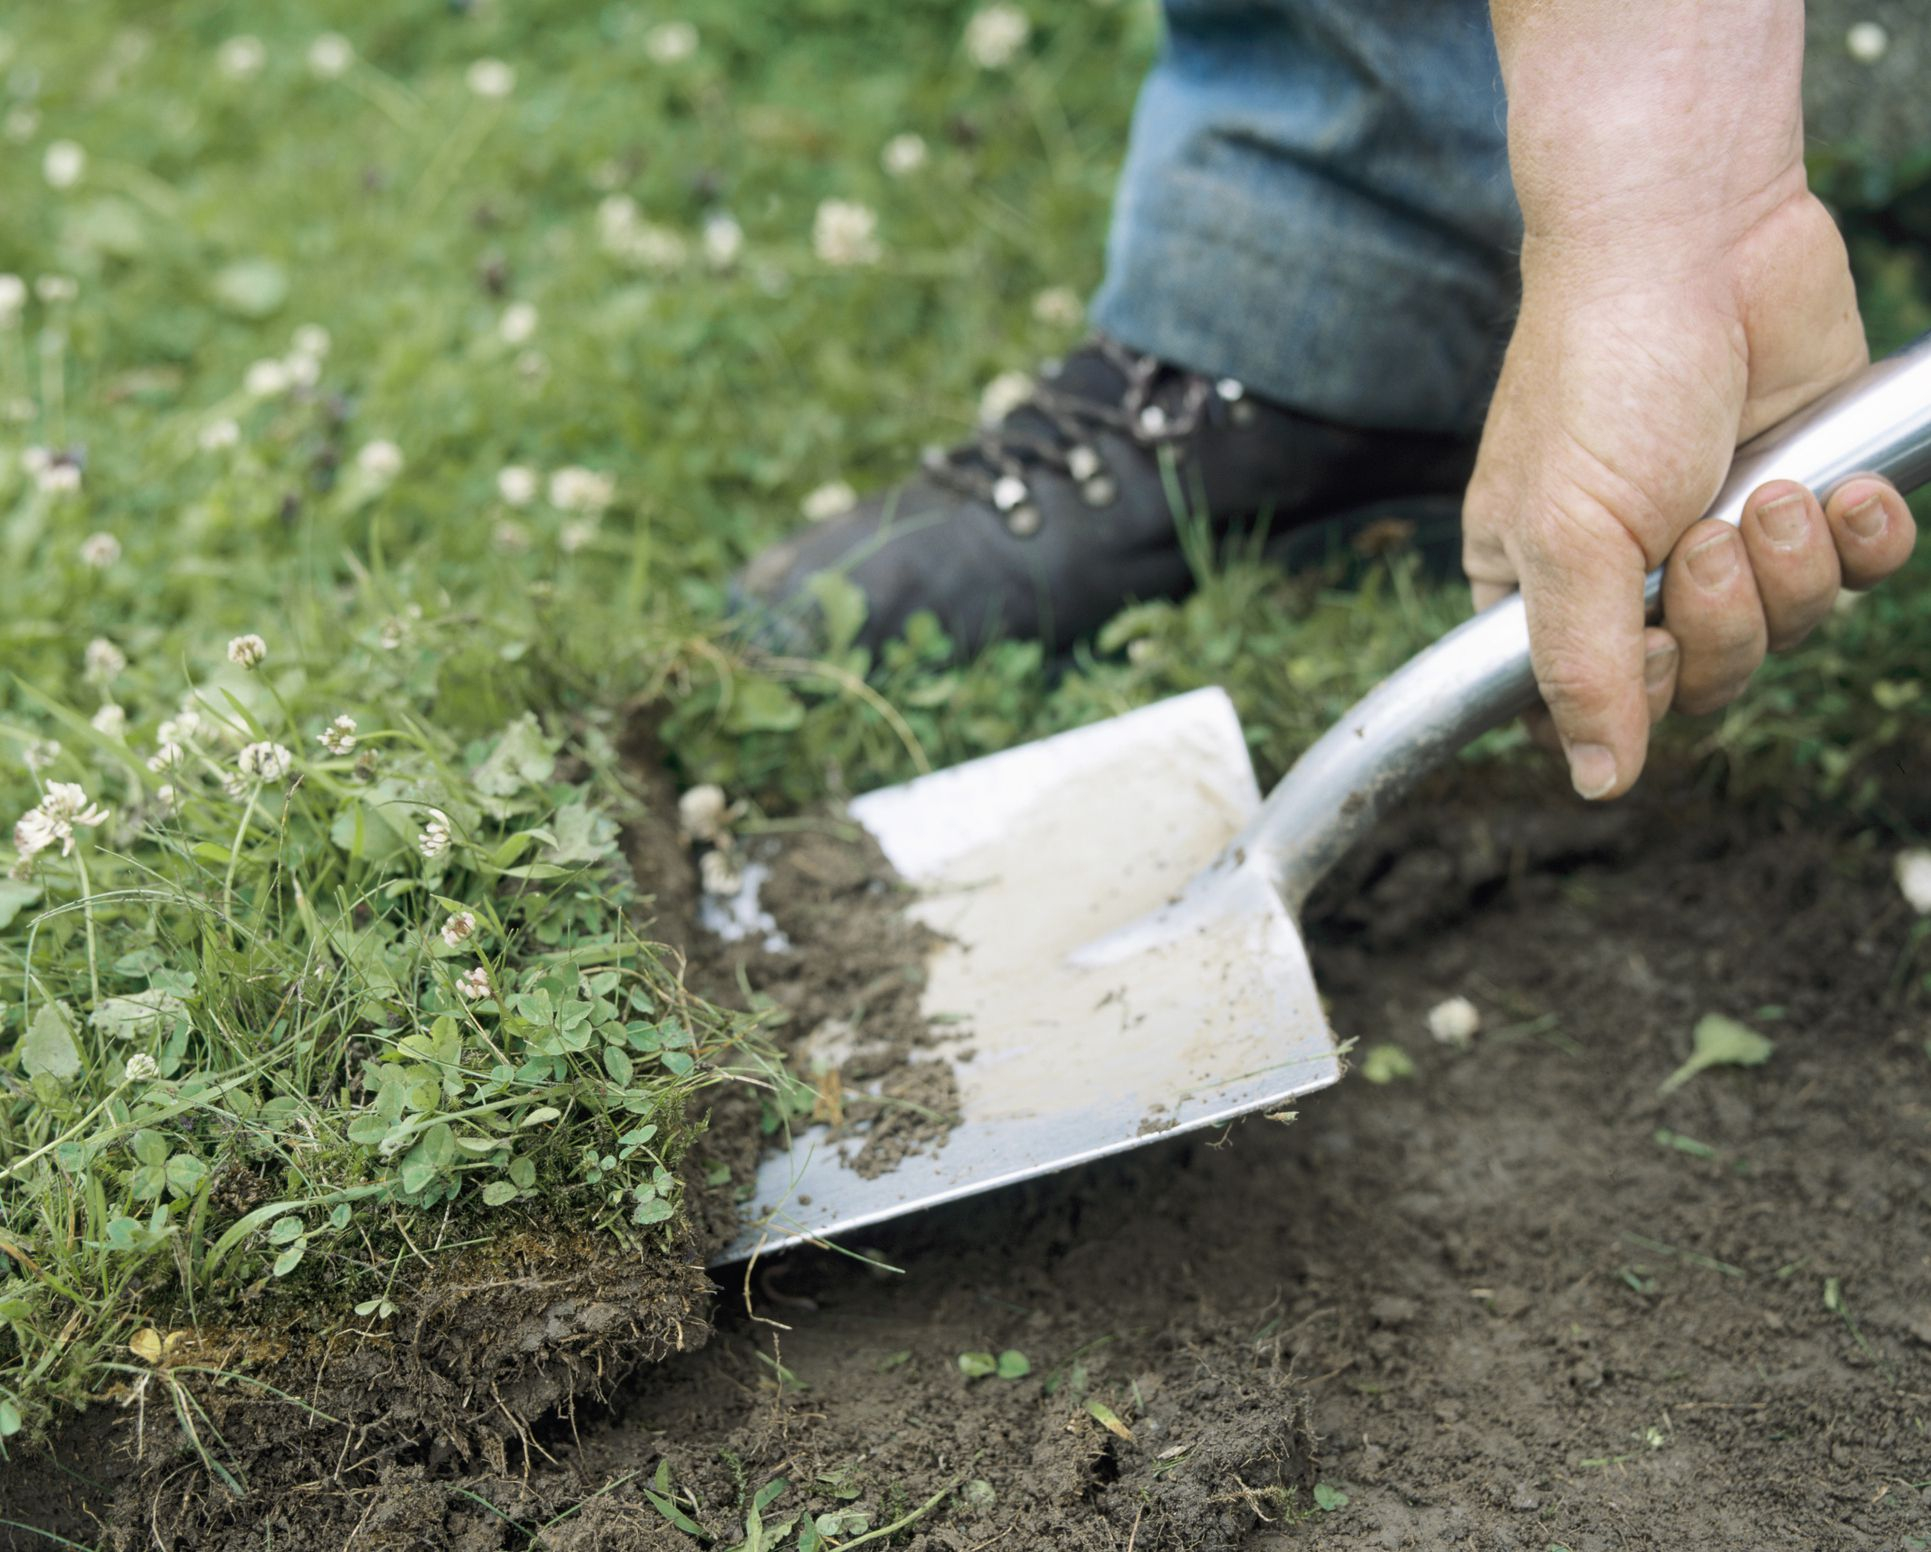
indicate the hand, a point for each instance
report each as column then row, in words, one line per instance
column 1682, row 290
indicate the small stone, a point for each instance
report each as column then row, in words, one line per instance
column 1392, row 1310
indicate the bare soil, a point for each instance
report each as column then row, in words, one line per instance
column 1516, row 1300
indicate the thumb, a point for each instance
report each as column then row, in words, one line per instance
column 1582, row 585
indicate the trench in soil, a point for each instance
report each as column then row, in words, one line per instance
column 1514, row 1301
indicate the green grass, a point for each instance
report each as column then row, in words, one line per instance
column 274, row 947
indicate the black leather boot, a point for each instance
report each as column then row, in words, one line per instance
column 1100, row 490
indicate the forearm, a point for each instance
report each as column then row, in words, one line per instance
column 1664, row 127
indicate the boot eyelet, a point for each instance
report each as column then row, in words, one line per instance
column 1082, row 463
column 1231, row 390
column 1008, row 492
column 1023, row 521
column 1099, row 491
column 1152, row 420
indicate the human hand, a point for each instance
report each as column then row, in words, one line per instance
column 1682, row 290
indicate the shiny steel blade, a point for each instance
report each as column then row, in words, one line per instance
column 1021, row 858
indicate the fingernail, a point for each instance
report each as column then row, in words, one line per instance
column 1659, row 665
column 1867, row 518
column 1714, row 560
column 1592, row 767
column 1784, row 521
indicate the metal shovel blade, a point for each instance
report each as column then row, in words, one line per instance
column 1017, row 861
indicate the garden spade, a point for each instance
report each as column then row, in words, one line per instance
column 1119, row 959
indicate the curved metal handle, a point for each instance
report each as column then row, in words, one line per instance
column 1478, row 675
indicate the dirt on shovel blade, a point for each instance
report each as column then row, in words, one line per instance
column 1515, row 1299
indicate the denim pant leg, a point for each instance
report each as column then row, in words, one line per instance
column 1316, row 201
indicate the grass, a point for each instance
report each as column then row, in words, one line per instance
column 286, row 330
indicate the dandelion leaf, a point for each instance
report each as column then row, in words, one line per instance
column 48, row 1049
column 137, row 1013
column 15, row 897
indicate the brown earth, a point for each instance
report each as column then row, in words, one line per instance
column 1514, row 1301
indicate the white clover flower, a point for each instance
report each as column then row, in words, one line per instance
column 474, row 984
column 63, row 165
column 1867, row 42
column 339, row 736
column 102, row 660
column 265, row 761
column 183, row 728
column 100, row 551
column 40, row 754
column 241, row 57
column 63, row 806
column 1060, row 307
column 844, row 232
column 57, row 474
column 266, row 379
column 247, row 651
column 459, row 929
column 303, row 371
column 434, row 840
column 703, row 813
column 1913, row 873
column 723, row 240
column 1004, row 394
column 236, row 785
column 718, row 874
column 13, row 297
column 616, row 215
column 54, row 289
column 671, row 43
column 141, row 1068
column 832, row 499
column 575, row 489
column 1455, row 1021
column 995, row 35
column 311, row 339
column 217, row 434
column 164, row 800
column 577, row 534
column 509, row 536
column 903, row 155
column 518, row 323
column 110, row 721
column 33, row 833
column 516, row 484
column 167, row 754
column 380, row 459
column 330, row 56
column 491, row 78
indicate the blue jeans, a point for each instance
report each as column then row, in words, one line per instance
column 1316, row 200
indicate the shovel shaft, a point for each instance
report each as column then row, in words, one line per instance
column 1478, row 676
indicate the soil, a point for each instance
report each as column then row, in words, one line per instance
column 1516, row 1300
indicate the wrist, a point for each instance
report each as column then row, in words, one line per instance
column 1653, row 128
